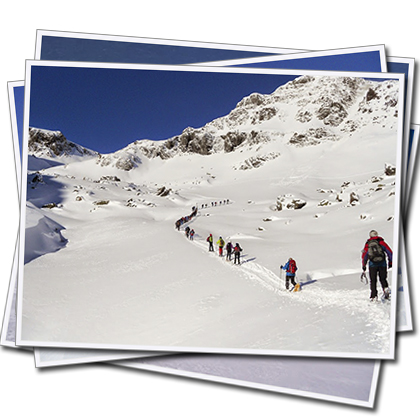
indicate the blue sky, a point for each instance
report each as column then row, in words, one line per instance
column 361, row 61
column 106, row 109
column 19, row 97
column 97, row 50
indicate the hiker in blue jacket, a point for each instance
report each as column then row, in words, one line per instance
column 290, row 267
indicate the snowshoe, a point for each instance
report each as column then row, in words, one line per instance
column 297, row 287
column 387, row 294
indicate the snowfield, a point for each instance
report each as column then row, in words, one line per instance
column 108, row 269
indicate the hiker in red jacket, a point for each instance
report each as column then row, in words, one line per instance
column 237, row 252
column 210, row 241
column 376, row 251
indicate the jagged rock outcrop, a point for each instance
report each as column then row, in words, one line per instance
column 390, row 170
column 257, row 161
column 163, row 191
column 52, row 144
column 289, row 202
column 312, row 137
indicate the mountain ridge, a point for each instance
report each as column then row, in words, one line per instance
column 304, row 112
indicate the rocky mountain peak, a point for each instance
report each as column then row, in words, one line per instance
column 53, row 144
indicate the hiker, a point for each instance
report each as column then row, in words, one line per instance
column 210, row 241
column 178, row 224
column 237, row 251
column 221, row 244
column 290, row 267
column 187, row 231
column 229, row 249
column 376, row 251
column 192, row 234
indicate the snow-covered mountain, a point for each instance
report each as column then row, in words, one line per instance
column 53, row 144
column 307, row 111
column 306, row 171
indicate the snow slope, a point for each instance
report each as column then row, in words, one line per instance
column 127, row 278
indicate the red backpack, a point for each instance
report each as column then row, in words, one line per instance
column 292, row 267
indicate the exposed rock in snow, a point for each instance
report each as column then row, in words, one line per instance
column 257, row 161
column 122, row 159
column 354, row 199
column 289, row 202
column 312, row 137
column 163, row 191
column 324, row 203
column 52, row 144
column 390, row 170
column 112, row 178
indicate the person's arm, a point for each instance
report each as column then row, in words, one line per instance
column 388, row 252
column 365, row 256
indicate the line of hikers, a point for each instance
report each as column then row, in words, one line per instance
column 376, row 252
column 189, row 233
column 230, row 249
column 215, row 203
column 186, row 219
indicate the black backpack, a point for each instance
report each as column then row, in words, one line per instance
column 375, row 252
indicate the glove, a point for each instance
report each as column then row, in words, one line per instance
column 364, row 268
column 390, row 264
column 281, row 267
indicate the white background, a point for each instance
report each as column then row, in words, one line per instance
column 100, row 391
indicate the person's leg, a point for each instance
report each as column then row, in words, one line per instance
column 373, row 274
column 382, row 277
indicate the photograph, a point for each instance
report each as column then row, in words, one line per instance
column 74, row 294
column 132, row 196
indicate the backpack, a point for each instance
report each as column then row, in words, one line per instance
column 292, row 267
column 237, row 249
column 375, row 252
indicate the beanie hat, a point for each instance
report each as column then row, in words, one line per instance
column 373, row 233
